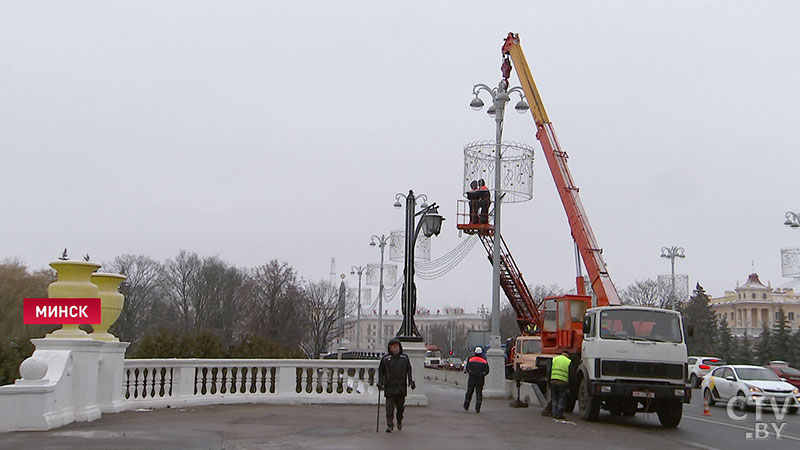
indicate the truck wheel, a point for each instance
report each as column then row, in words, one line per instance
column 793, row 410
column 670, row 413
column 569, row 403
column 694, row 382
column 588, row 406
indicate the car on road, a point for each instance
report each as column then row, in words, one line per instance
column 749, row 386
column 783, row 370
column 433, row 359
column 453, row 364
column 699, row 366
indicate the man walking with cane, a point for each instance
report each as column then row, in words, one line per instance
column 394, row 373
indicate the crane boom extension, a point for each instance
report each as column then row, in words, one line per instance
column 582, row 233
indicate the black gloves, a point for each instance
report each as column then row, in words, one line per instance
column 412, row 384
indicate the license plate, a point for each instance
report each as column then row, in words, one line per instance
column 643, row 394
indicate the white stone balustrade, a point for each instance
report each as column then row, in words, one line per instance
column 156, row 383
column 69, row 380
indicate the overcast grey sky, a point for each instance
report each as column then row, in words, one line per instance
column 260, row 130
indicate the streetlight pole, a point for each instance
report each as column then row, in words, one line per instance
column 500, row 97
column 672, row 253
column 360, row 271
column 380, row 242
column 430, row 223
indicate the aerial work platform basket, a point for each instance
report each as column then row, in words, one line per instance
column 471, row 220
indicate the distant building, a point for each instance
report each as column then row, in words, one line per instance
column 752, row 304
column 393, row 319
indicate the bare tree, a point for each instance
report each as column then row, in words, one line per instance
column 217, row 289
column 142, row 290
column 273, row 297
column 178, row 281
column 16, row 283
column 320, row 314
column 647, row 292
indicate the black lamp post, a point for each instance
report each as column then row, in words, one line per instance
column 430, row 224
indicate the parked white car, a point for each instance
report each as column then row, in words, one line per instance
column 749, row 386
column 699, row 366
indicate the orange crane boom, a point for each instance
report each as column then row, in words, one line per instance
column 582, row 233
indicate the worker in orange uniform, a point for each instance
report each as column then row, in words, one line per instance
column 484, row 201
column 477, row 368
column 559, row 383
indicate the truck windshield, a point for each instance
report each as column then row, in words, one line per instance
column 531, row 346
column 640, row 325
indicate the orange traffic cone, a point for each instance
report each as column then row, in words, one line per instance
column 706, row 411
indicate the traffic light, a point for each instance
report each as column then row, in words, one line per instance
column 451, row 353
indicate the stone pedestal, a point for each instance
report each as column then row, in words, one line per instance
column 495, row 383
column 110, row 373
column 85, row 356
column 64, row 381
column 415, row 349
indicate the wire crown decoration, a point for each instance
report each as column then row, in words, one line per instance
column 374, row 274
column 790, row 262
column 397, row 247
column 516, row 165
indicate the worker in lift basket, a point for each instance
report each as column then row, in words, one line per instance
column 484, row 201
column 477, row 368
column 394, row 371
column 559, row 383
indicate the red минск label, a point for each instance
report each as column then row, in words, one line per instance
column 61, row 311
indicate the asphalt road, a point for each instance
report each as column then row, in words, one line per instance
column 717, row 431
column 442, row 424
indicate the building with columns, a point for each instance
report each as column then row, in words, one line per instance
column 392, row 319
column 753, row 304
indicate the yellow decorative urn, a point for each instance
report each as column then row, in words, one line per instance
column 111, row 302
column 73, row 282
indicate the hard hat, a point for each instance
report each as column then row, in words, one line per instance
column 478, row 350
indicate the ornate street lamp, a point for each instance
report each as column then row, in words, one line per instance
column 500, row 96
column 360, row 271
column 380, row 242
column 430, row 224
column 792, row 219
column 672, row 253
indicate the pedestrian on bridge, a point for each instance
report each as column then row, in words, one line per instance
column 477, row 368
column 394, row 373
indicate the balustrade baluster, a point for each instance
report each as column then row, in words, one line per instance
column 127, row 383
column 259, row 379
column 217, row 380
column 139, row 383
column 225, row 372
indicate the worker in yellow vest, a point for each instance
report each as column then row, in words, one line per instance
column 559, row 383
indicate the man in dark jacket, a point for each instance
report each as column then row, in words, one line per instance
column 394, row 373
column 477, row 368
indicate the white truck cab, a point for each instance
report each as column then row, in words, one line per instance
column 633, row 359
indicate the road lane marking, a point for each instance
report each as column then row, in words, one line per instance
column 695, row 444
column 740, row 427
